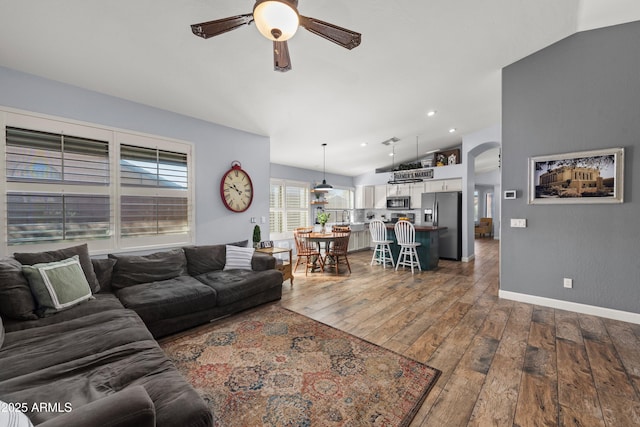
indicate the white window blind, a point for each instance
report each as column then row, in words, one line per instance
column 288, row 206
column 163, row 173
column 44, row 173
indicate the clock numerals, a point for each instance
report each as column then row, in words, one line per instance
column 236, row 190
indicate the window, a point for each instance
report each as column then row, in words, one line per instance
column 489, row 205
column 56, row 187
column 144, row 170
column 476, row 201
column 69, row 182
column 339, row 200
column 288, row 207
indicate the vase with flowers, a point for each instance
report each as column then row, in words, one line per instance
column 323, row 218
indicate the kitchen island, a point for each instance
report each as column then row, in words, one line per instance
column 428, row 237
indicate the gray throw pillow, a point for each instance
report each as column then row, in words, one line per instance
column 104, row 271
column 131, row 270
column 16, row 300
column 205, row 258
column 57, row 285
column 51, row 256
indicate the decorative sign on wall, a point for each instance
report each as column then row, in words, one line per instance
column 414, row 175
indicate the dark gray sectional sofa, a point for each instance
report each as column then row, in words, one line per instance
column 97, row 363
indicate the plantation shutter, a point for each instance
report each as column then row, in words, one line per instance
column 166, row 209
column 56, row 187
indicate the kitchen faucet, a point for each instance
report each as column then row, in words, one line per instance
column 345, row 216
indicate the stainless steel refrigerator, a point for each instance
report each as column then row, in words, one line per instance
column 445, row 210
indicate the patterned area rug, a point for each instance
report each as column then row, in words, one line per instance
column 274, row 367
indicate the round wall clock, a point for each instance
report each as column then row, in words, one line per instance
column 236, row 188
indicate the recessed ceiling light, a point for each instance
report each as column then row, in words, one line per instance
column 431, row 113
column 390, row 154
column 452, row 130
column 364, row 144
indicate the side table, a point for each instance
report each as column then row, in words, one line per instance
column 285, row 267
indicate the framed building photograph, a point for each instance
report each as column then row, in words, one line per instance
column 581, row 177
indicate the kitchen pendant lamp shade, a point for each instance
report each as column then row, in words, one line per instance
column 324, row 185
column 277, row 20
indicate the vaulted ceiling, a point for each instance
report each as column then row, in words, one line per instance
column 416, row 56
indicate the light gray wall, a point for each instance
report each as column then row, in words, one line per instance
column 310, row 176
column 215, row 146
column 582, row 93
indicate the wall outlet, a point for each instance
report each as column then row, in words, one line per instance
column 568, row 283
column 253, row 220
column 518, row 223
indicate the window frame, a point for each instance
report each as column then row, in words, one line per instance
column 114, row 244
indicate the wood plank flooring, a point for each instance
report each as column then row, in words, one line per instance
column 503, row 363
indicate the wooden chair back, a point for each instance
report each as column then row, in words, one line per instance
column 340, row 243
column 303, row 245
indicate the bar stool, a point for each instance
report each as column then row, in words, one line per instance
column 379, row 237
column 406, row 238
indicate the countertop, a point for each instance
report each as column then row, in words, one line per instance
column 420, row 227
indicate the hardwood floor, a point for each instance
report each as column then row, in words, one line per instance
column 503, row 363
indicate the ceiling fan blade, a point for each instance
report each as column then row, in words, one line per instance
column 220, row 26
column 281, row 59
column 340, row 36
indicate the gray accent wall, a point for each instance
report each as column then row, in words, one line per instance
column 582, row 93
column 216, row 146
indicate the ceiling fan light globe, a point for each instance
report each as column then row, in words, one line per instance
column 276, row 18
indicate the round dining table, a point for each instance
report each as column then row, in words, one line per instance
column 325, row 238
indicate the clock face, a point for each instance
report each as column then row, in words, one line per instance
column 236, row 190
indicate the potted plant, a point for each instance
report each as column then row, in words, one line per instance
column 256, row 236
column 323, row 218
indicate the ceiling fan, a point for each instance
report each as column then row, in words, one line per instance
column 278, row 20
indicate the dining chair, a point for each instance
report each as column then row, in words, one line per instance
column 337, row 252
column 382, row 251
column 406, row 238
column 306, row 249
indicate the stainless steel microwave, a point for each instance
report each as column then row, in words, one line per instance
column 399, row 202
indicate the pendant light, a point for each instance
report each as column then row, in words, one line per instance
column 324, row 185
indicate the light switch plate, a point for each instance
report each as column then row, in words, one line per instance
column 518, row 223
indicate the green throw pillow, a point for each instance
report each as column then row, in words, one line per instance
column 57, row 285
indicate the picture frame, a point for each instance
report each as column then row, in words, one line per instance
column 581, row 177
column 266, row 244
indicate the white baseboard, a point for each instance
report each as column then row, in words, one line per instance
column 609, row 313
column 468, row 258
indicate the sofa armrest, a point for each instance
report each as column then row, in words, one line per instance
column 262, row 261
column 130, row 407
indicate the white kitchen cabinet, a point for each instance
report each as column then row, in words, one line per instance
column 365, row 196
column 416, row 194
column 380, row 196
column 443, row 185
column 395, row 190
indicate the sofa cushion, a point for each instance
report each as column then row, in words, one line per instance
column 117, row 351
column 131, row 270
column 232, row 286
column 82, row 251
column 130, row 407
column 57, row 285
column 168, row 298
column 238, row 258
column 103, row 268
column 205, row 258
column 101, row 302
column 16, row 300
